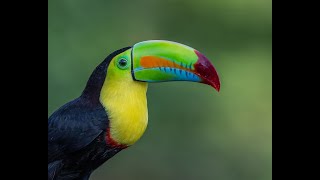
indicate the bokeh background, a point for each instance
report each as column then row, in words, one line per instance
column 193, row 132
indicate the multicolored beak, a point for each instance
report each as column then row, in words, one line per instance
column 159, row 61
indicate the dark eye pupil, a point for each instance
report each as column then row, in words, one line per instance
column 123, row 62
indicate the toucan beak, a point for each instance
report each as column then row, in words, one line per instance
column 159, row 61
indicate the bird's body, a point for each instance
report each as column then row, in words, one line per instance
column 111, row 114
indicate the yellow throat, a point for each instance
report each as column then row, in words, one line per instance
column 126, row 104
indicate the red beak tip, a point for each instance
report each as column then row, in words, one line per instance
column 218, row 88
column 207, row 71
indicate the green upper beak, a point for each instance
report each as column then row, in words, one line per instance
column 158, row 61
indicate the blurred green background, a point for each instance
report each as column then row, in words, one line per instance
column 193, row 132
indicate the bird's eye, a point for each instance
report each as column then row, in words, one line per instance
column 122, row 63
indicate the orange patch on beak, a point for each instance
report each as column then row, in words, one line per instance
column 155, row 62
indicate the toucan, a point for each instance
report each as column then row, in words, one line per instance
column 111, row 113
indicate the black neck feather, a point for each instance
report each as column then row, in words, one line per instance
column 96, row 80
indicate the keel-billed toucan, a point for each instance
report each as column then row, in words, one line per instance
column 111, row 114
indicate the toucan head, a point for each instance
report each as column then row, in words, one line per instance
column 120, row 83
column 160, row 61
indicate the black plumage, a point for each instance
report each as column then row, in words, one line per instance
column 77, row 132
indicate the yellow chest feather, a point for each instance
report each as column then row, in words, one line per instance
column 126, row 104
